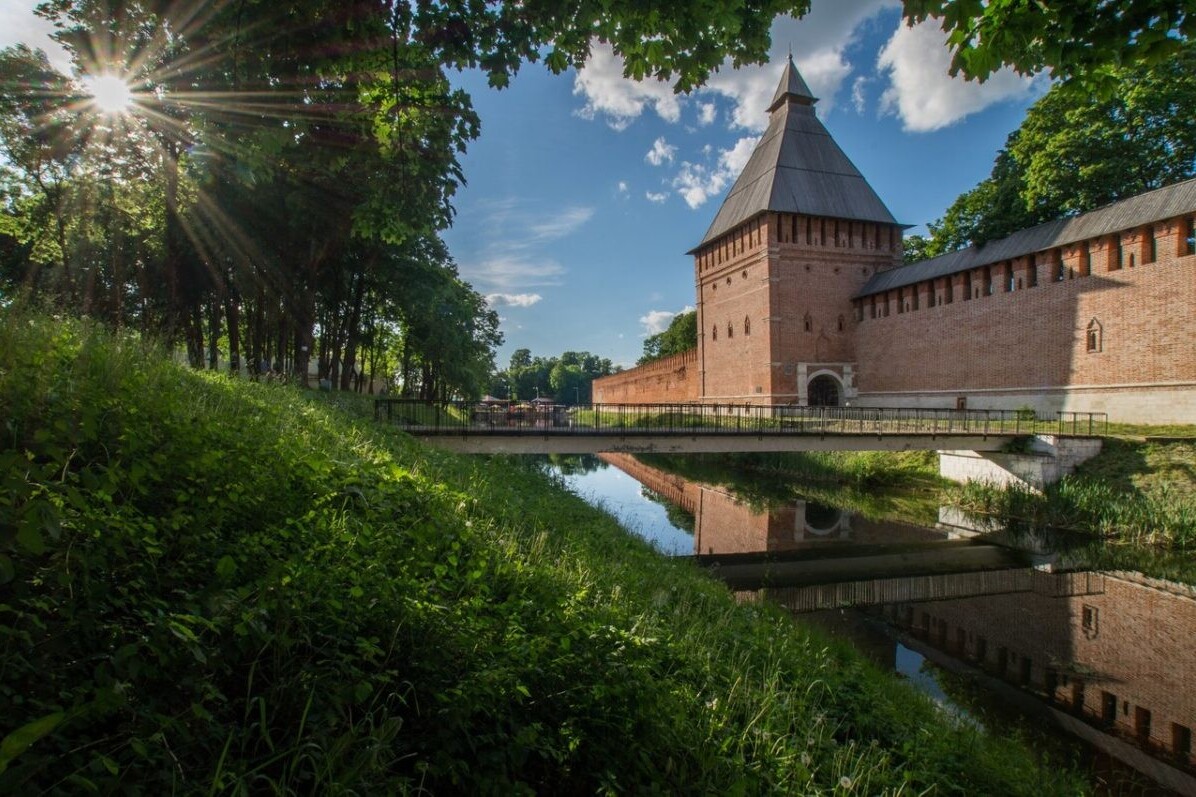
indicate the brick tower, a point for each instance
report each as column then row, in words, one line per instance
column 799, row 234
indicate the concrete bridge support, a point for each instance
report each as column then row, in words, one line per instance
column 1046, row 460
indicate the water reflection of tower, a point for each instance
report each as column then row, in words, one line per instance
column 725, row 524
column 1110, row 657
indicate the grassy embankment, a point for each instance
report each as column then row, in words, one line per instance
column 1136, row 491
column 209, row 585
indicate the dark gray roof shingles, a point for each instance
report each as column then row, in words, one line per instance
column 1157, row 205
column 798, row 168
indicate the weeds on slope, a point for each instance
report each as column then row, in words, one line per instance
column 211, row 585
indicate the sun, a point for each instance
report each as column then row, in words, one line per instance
column 109, row 93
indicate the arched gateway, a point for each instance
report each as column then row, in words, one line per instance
column 824, row 392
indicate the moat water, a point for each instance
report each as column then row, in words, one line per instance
column 1012, row 632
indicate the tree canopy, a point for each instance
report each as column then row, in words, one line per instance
column 680, row 336
column 1076, row 152
column 284, row 165
column 272, row 195
column 1084, row 39
column 567, row 378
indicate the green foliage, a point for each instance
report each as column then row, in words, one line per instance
column 280, row 166
column 1133, row 492
column 1082, row 39
column 1077, row 151
column 916, row 248
column 681, row 336
column 217, row 585
column 568, row 377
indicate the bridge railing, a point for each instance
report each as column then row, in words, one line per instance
column 469, row 418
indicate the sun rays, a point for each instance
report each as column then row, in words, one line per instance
column 109, row 93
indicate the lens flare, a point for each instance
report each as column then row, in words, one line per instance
column 109, row 93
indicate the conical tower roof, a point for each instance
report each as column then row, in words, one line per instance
column 797, row 168
column 791, row 87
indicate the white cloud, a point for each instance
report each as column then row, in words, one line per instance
column 657, row 321
column 514, row 257
column 19, row 25
column 561, row 224
column 734, row 159
column 513, row 269
column 652, row 196
column 623, row 188
column 661, row 152
column 922, row 92
column 698, row 182
column 513, row 299
column 619, row 100
column 858, row 98
column 818, row 42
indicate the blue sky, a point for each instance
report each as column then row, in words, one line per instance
column 585, row 190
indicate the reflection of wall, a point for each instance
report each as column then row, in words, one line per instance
column 1123, row 655
column 669, row 486
column 723, row 524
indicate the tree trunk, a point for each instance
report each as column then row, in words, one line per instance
column 233, row 321
column 194, row 335
column 172, row 256
column 353, row 334
column 213, row 334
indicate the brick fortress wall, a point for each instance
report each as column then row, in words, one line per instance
column 818, row 265
column 669, row 380
column 1102, row 325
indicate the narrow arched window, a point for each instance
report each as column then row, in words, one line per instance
column 808, row 323
column 714, row 332
column 1095, row 337
column 842, row 323
column 747, row 325
column 730, row 330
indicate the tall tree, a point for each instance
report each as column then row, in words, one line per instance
column 1075, row 152
column 281, row 147
column 681, row 335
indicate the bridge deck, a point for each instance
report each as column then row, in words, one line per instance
column 701, row 428
column 632, row 442
column 879, row 591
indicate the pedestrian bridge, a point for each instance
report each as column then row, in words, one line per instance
column 704, row 428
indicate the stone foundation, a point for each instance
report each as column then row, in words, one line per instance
column 1048, row 460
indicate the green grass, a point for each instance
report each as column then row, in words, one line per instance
column 217, row 586
column 1138, row 430
column 1134, row 492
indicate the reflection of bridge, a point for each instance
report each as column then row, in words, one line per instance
column 964, row 570
column 698, row 428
